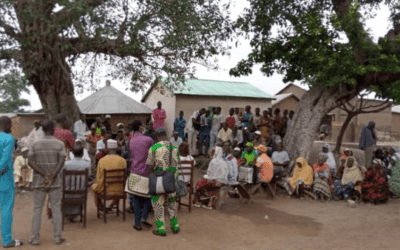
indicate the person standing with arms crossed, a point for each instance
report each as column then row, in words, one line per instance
column 7, row 189
column 47, row 158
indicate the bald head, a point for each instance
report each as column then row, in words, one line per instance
column 5, row 124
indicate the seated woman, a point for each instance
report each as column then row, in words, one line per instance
column 394, row 181
column 375, row 188
column 347, row 153
column 351, row 177
column 322, row 178
column 302, row 178
column 217, row 175
column 184, row 156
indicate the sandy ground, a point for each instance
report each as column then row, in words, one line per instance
column 292, row 224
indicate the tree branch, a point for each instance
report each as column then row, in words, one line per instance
column 66, row 17
column 10, row 55
column 9, row 30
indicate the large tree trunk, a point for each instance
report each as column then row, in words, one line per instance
column 311, row 109
column 342, row 131
column 56, row 91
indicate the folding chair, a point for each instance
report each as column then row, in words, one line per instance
column 189, row 185
column 77, row 192
column 115, row 178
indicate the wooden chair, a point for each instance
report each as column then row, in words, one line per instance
column 75, row 177
column 115, row 178
column 189, row 185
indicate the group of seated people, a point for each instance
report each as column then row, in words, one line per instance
column 324, row 179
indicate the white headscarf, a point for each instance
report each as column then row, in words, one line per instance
column 218, row 168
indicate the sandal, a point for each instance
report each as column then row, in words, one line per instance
column 14, row 243
column 207, row 207
column 61, row 242
column 197, row 205
column 33, row 243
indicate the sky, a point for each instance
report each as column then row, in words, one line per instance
column 379, row 27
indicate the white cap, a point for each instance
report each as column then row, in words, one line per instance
column 236, row 149
column 258, row 132
column 24, row 149
column 112, row 144
column 119, row 124
column 327, row 146
column 108, row 116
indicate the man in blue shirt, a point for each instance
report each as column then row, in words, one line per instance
column 7, row 189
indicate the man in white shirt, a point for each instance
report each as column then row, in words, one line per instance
column 330, row 159
column 218, row 119
column 80, row 128
column 193, row 128
column 280, row 159
column 176, row 140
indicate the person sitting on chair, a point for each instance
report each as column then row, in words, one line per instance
column 78, row 163
column 280, row 159
column 112, row 161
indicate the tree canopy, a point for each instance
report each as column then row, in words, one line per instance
column 323, row 43
column 11, row 87
column 135, row 40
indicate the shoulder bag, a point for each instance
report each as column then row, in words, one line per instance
column 162, row 182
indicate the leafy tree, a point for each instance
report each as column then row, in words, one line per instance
column 137, row 40
column 11, row 87
column 324, row 44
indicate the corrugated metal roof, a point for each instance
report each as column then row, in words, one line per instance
column 109, row 100
column 282, row 97
column 396, row 109
column 202, row 87
column 10, row 115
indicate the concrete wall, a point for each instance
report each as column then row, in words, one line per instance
column 23, row 124
column 289, row 104
column 299, row 92
column 189, row 104
column 395, row 123
column 160, row 93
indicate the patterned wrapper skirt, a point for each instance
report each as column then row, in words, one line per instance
column 322, row 186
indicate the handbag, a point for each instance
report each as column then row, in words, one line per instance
column 181, row 189
column 137, row 185
column 162, row 182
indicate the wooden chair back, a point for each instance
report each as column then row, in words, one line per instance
column 184, row 172
column 114, row 178
column 78, row 185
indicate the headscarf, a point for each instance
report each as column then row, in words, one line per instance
column 218, row 168
column 352, row 174
column 344, row 156
column 262, row 148
column 305, row 173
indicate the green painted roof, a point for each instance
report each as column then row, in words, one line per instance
column 202, row 87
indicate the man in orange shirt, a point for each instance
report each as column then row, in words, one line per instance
column 264, row 163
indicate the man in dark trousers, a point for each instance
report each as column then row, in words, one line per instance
column 7, row 189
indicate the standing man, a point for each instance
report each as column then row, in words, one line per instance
column 204, row 133
column 264, row 125
column 139, row 147
column 367, row 143
column 150, row 132
column 159, row 116
column 247, row 117
column 159, row 160
column 99, row 126
column 179, row 125
column 290, row 119
column 217, row 125
column 278, row 122
column 47, row 159
column 7, row 189
column 36, row 133
column 107, row 124
column 80, row 128
column 91, row 141
column 232, row 119
column 194, row 126
column 256, row 118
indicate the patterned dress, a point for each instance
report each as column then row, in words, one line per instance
column 158, row 157
column 375, row 188
column 394, row 181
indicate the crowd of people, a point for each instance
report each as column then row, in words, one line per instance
column 244, row 149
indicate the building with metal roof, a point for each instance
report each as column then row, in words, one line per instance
column 200, row 93
column 110, row 101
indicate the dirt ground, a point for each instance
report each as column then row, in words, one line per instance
column 291, row 224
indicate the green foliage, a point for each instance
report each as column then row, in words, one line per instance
column 310, row 42
column 137, row 41
column 11, row 87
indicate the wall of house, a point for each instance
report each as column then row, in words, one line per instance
column 22, row 125
column 395, row 123
column 168, row 100
column 299, row 92
column 189, row 104
column 289, row 104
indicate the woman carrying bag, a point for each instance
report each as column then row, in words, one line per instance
column 163, row 159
